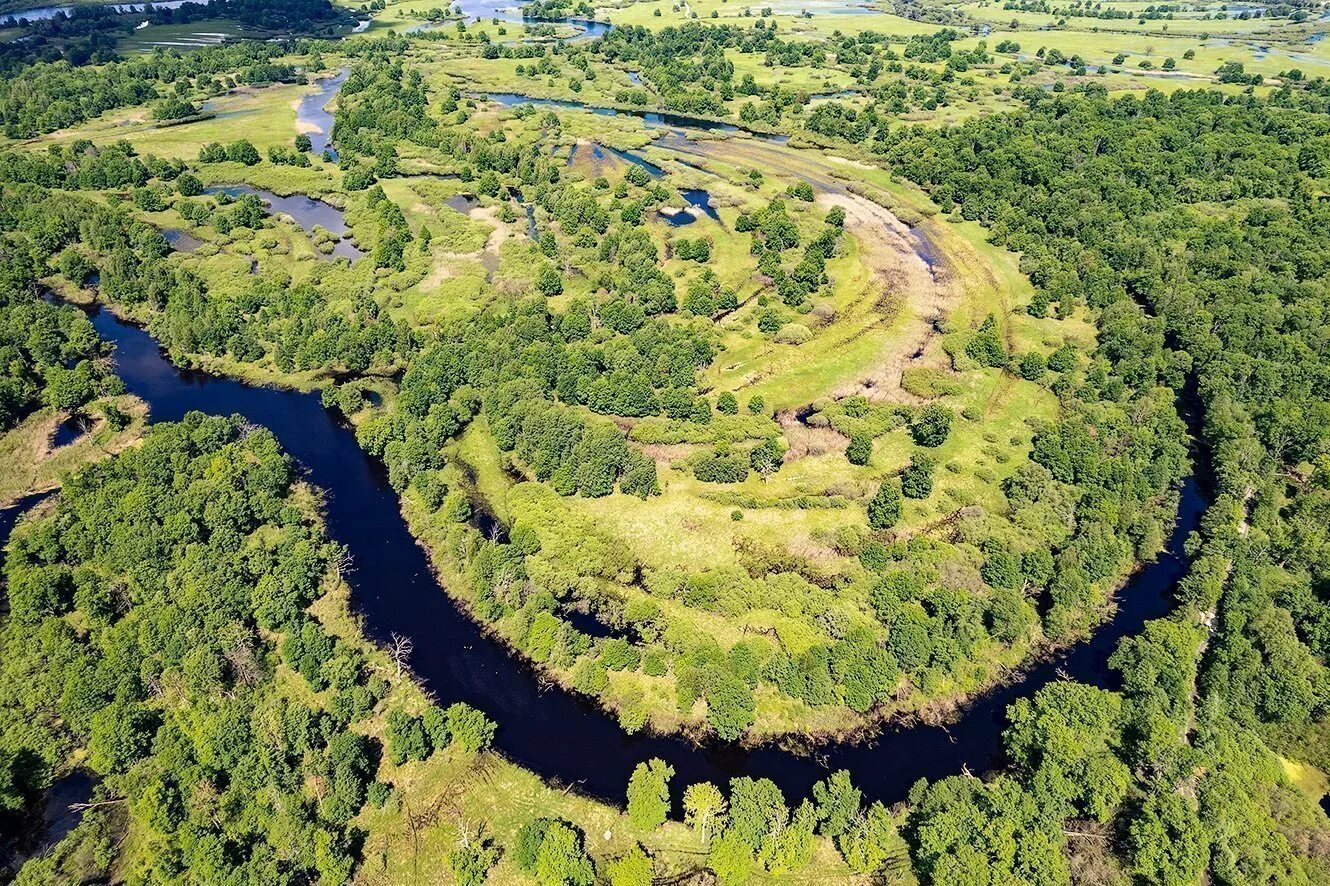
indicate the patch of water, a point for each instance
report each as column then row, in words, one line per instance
column 637, row 160
column 677, row 218
column 306, row 211
column 181, row 241
column 650, row 118
column 69, row 430
column 590, row 625
column 61, row 811
column 463, row 203
column 701, row 199
column 313, row 112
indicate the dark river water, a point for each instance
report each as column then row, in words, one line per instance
column 558, row 735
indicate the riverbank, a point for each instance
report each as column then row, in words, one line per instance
column 457, row 662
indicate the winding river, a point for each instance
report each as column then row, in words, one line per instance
column 560, row 736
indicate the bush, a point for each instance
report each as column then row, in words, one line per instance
column 358, row 178
column 188, row 185
column 860, row 449
column 548, row 282
column 174, row 109
column 794, row 334
column 1033, row 366
column 985, row 346
column 721, row 467
column 917, row 479
column 931, row 425
column 884, row 509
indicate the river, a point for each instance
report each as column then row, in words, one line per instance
column 561, row 736
column 313, row 117
column 42, row 13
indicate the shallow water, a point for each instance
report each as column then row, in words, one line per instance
column 678, row 218
column 702, row 200
column 42, row 13
column 637, row 160
column 312, row 110
column 463, row 203
column 68, row 431
column 652, row 119
column 181, row 241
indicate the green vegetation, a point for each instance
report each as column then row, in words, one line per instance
column 176, row 561
column 896, row 409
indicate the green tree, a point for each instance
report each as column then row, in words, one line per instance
column 860, row 449
column 837, row 803
column 917, row 478
column 1166, row 839
column 470, row 728
column 985, row 346
column 766, row 457
column 931, row 425
column 731, row 859
column 242, row 151
column 562, row 859
column 871, row 841
column 884, row 508
column 549, row 282
column 704, row 808
column 633, row 868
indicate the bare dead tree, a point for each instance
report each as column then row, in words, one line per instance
column 400, row 652
column 341, row 561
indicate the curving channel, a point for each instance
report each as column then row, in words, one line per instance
column 563, row 737
column 560, row 736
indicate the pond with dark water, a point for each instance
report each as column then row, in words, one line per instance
column 181, row 241
column 307, row 212
column 652, row 119
column 69, row 430
column 562, row 736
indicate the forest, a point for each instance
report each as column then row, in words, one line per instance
column 762, row 381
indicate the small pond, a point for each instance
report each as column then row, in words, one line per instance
column 306, row 211
column 70, row 430
column 181, row 241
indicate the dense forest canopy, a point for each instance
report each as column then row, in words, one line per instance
column 157, row 618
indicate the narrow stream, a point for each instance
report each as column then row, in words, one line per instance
column 312, row 113
column 560, row 736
